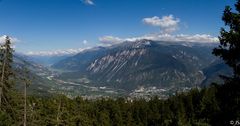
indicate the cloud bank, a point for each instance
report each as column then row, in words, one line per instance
column 110, row 40
column 202, row 38
column 56, row 52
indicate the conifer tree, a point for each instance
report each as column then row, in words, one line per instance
column 6, row 72
column 229, row 48
column 228, row 95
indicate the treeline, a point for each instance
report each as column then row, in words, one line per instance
column 216, row 105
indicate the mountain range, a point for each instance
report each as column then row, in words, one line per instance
column 141, row 63
column 133, row 66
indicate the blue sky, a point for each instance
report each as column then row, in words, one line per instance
column 41, row 25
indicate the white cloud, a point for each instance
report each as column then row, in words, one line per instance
column 88, row 2
column 85, row 42
column 201, row 38
column 13, row 40
column 167, row 24
column 110, row 40
column 57, row 52
column 197, row 38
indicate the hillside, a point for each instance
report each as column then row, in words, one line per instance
column 142, row 63
column 40, row 84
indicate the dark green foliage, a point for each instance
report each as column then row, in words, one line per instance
column 228, row 95
column 229, row 48
column 6, row 71
column 197, row 107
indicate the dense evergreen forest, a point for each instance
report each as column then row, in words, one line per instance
column 217, row 105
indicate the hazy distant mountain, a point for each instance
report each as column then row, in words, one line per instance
column 38, row 75
column 48, row 60
column 141, row 63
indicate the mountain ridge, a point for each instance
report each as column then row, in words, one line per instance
column 142, row 62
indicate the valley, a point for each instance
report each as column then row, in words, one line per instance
column 140, row 69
